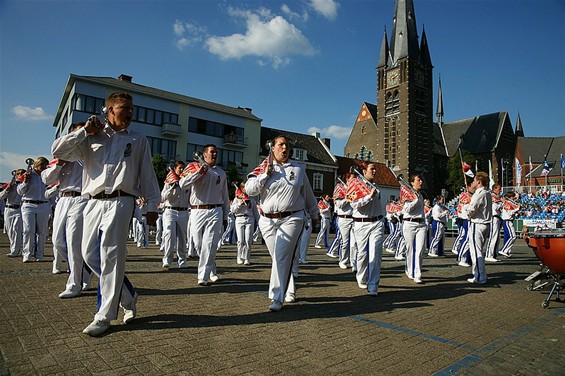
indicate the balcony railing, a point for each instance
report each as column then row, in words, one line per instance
column 169, row 129
column 235, row 140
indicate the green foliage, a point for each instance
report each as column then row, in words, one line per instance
column 233, row 177
column 455, row 173
column 160, row 167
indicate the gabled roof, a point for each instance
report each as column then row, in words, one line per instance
column 316, row 152
column 128, row 86
column 479, row 134
column 539, row 148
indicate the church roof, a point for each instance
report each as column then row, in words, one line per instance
column 383, row 176
column 479, row 134
column 540, row 148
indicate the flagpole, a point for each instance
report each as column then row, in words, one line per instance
column 462, row 171
column 561, row 164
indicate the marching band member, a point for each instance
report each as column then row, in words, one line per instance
column 117, row 168
column 429, row 219
column 461, row 243
column 142, row 228
column 325, row 218
column 304, row 241
column 344, row 212
column 68, row 222
column 12, row 213
column 368, row 227
column 509, row 210
column 209, row 203
column 175, row 217
column 439, row 223
column 480, row 216
column 35, row 210
column 242, row 208
column 285, row 194
column 413, row 226
column 494, row 235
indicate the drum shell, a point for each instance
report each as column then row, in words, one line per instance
column 550, row 250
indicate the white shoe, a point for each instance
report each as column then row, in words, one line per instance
column 343, row 265
column 417, row 280
column 463, row 263
column 96, row 328
column 275, row 306
column 289, row 298
column 239, row 261
column 85, row 286
column 399, row 258
column 214, row 277
column 247, row 262
column 454, row 251
column 390, row 250
column 332, row 255
column 131, row 313
column 432, row 254
column 166, row 265
column 69, row 294
column 491, row 259
column 318, row 246
column 362, row 285
column 504, row 254
column 202, row 282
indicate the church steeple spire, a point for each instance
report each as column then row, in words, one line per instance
column 383, row 57
column 404, row 38
column 425, row 58
column 519, row 129
column 439, row 111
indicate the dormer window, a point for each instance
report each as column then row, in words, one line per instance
column 299, row 154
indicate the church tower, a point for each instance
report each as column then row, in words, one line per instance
column 404, row 135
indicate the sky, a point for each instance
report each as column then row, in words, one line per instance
column 301, row 65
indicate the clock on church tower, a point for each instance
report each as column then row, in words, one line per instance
column 393, row 77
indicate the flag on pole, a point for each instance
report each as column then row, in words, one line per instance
column 491, row 179
column 467, row 169
column 518, row 172
column 546, row 168
column 562, row 162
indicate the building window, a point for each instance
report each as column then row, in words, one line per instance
column 226, row 157
column 213, row 128
column 299, row 154
column 167, row 148
column 318, row 183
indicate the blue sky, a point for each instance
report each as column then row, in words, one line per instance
column 301, row 65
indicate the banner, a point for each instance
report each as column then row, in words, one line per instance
column 518, row 172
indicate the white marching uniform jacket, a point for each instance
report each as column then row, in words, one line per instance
column 208, row 189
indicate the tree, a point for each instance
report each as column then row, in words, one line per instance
column 160, row 167
column 455, row 175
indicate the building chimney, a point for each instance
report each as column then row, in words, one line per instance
column 327, row 141
column 316, row 134
column 125, row 77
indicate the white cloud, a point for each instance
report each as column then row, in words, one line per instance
column 28, row 113
column 294, row 15
column 333, row 131
column 269, row 37
column 188, row 34
column 327, row 8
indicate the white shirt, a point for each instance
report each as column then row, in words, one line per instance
column 33, row 189
column 112, row 161
column 11, row 196
column 439, row 213
column 286, row 189
column 414, row 208
column 208, row 189
column 368, row 206
column 175, row 196
column 69, row 176
column 480, row 207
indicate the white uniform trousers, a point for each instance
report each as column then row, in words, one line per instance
column 174, row 236
column 206, row 230
column 14, row 226
column 369, row 237
column 35, row 218
column 437, row 239
column 281, row 237
column 192, row 252
column 104, row 248
column 244, row 229
column 478, row 234
column 509, row 237
column 304, row 241
column 324, row 232
column 415, row 237
column 142, row 233
column 59, row 236
column 159, row 229
column 345, row 226
column 494, row 237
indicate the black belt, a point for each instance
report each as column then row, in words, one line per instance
column 13, row 206
column 497, row 216
column 243, row 215
column 419, row 220
column 70, row 194
column 344, row 216
column 102, row 195
column 280, row 215
column 177, row 208
column 369, row 219
column 208, row 206
column 36, row 202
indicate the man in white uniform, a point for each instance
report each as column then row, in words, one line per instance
column 117, row 169
column 210, row 205
column 285, row 194
column 12, row 214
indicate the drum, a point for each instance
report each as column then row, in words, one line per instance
column 549, row 248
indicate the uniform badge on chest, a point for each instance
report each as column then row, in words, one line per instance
column 127, row 152
column 218, row 180
column 292, row 177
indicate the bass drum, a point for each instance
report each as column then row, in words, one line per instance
column 549, row 248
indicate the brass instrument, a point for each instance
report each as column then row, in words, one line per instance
column 406, row 184
column 362, row 177
column 96, row 119
column 339, row 180
column 198, row 157
column 269, row 146
column 29, row 163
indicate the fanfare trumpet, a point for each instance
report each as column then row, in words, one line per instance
column 360, row 187
column 172, row 176
column 340, row 190
column 97, row 121
column 370, row 184
column 198, row 157
column 269, row 146
column 407, row 193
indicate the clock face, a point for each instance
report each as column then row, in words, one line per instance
column 393, row 77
